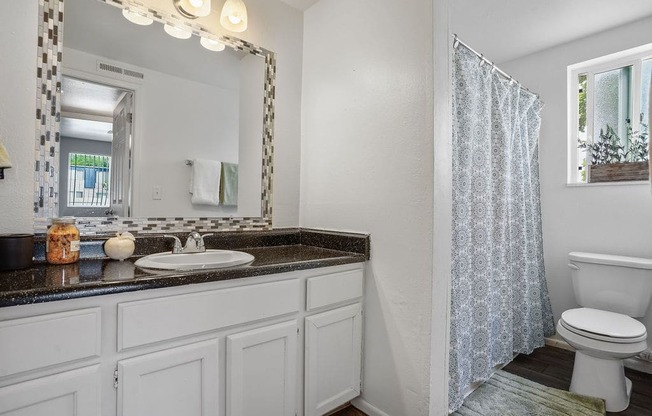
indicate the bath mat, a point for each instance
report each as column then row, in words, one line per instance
column 505, row 394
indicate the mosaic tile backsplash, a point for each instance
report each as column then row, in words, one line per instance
column 48, row 113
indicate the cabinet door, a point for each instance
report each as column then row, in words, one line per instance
column 261, row 371
column 71, row 393
column 178, row 381
column 333, row 359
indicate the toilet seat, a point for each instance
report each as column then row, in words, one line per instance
column 603, row 325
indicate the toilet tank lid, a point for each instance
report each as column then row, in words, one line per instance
column 609, row 259
column 611, row 324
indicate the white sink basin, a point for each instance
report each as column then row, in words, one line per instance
column 210, row 259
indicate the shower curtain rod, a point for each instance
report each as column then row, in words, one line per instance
column 494, row 68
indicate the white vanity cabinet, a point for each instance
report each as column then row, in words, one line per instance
column 279, row 345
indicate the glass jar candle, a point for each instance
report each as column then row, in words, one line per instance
column 62, row 243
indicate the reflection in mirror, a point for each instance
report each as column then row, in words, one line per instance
column 165, row 101
column 95, row 148
column 177, row 114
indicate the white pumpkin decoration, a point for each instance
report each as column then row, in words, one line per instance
column 121, row 246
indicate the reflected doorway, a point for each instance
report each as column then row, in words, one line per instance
column 95, row 149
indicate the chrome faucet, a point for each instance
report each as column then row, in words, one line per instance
column 194, row 243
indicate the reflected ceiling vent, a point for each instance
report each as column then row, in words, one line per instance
column 119, row 72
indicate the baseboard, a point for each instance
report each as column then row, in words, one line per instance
column 634, row 363
column 556, row 342
column 639, row 364
column 368, row 408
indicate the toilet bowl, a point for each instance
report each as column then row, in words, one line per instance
column 602, row 340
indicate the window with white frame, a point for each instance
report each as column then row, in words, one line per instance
column 608, row 123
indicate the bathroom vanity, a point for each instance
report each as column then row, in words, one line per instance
column 279, row 337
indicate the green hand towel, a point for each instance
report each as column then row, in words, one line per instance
column 229, row 185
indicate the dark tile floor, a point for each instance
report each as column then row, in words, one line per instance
column 349, row 411
column 553, row 367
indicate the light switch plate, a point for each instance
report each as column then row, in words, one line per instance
column 157, row 193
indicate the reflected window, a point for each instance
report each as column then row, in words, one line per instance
column 88, row 180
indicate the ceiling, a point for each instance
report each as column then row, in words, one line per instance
column 504, row 30
column 86, row 129
column 79, row 96
column 86, row 107
column 300, row 4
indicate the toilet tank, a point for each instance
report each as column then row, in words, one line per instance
column 612, row 283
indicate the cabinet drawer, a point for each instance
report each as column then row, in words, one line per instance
column 154, row 320
column 42, row 341
column 333, row 288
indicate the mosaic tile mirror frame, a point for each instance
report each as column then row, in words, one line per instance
column 49, row 64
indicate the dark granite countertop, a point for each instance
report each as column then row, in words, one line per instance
column 94, row 275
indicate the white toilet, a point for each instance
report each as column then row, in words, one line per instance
column 611, row 290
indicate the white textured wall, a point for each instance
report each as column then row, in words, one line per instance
column 18, row 112
column 613, row 219
column 443, row 212
column 367, row 165
column 272, row 24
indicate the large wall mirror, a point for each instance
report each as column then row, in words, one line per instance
column 129, row 113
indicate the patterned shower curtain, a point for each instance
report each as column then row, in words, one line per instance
column 499, row 303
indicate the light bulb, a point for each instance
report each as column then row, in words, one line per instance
column 136, row 18
column 176, row 32
column 234, row 16
column 192, row 9
column 212, row 45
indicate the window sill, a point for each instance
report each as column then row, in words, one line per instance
column 615, row 183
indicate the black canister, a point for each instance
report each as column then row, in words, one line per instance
column 16, row 251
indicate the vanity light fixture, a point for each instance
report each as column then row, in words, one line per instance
column 193, row 9
column 137, row 18
column 212, row 45
column 176, row 32
column 234, row 16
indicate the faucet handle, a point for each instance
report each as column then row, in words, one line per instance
column 177, row 244
column 201, row 240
